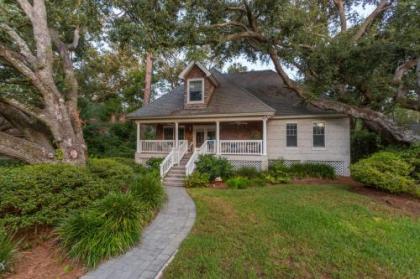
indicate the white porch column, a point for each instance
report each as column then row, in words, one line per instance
column 217, row 137
column 176, row 134
column 138, row 138
column 264, row 151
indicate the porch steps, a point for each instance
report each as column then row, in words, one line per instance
column 176, row 175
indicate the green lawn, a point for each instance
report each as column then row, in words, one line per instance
column 297, row 232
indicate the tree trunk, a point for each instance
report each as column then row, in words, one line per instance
column 148, row 78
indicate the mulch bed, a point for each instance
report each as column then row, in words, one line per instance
column 43, row 260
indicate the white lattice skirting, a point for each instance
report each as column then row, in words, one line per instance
column 338, row 166
column 237, row 164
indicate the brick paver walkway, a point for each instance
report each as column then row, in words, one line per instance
column 159, row 243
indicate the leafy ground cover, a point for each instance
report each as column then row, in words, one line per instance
column 297, row 231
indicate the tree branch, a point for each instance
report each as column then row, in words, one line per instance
column 32, row 111
column 343, row 21
column 76, row 38
column 26, row 7
column 382, row 6
column 23, row 46
column 402, row 69
column 228, row 24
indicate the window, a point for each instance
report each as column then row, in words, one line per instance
column 181, row 133
column 291, row 135
column 195, row 90
column 168, row 133
column 319, row 134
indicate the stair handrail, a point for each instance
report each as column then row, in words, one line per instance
column 190, row 166
column 182, row 149
column 168, row 162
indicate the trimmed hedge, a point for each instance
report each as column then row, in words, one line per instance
column 113, row 172
column 387, row 171
column 108, row 228
column 36, row 195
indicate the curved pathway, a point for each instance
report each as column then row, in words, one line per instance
column 159, row 243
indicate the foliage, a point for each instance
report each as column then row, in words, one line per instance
column 214, row 166
column 110, row 140
column 137, row 168
column 248, row 172
column 7, row 251
column 386, row 171
column 108, row 228
column 154, row 163
column 363, row 144
column 297, row 231
column 111, row 171
column 148, row 188
column 311, row 170
column 197, row 179
column 9, row 163
column 238, row 182
column 412, row 156
column 277, row 173
column 36, row 195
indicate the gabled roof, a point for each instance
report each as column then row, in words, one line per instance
column 248, row 93
column 190, row 66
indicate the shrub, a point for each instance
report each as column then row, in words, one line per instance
column 412, row 156
column 42, row 194
column 277, row 173
column 137, row 168
column 249, row 172
column 108, row 228
column 154, row 163
column 196, row 180
column 148, row 188
column 363, row 144
column 113, row 172
column 387, row 171
column 214, row 167
column 7, row 251
column 258, row 182
column 312, row 170
column 238, row 182
column 10, row 163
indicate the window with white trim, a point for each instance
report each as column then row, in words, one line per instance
column 291, row 135
column 196, row 90
column 319, row 135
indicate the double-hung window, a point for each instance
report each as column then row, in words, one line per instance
column 291, row 135
column 196, row 90
column 319, row 135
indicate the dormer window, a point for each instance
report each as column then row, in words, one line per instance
column 196, row 90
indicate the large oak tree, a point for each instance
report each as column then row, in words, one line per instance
column 39, row 118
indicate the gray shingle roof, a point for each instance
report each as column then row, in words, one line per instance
column 256, row 92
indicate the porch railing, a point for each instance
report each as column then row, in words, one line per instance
column 156, row 146
column 241, row 147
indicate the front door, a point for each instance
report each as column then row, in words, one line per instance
column 203, row 133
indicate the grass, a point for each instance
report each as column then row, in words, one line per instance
column 295, row 231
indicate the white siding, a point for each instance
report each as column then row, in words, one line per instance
column 337, row 141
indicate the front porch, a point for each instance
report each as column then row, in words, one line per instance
column 242, row 141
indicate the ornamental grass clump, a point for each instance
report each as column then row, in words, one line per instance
column 149, row 189
column 108, row 228
column 7, row 251
column 197, row 180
